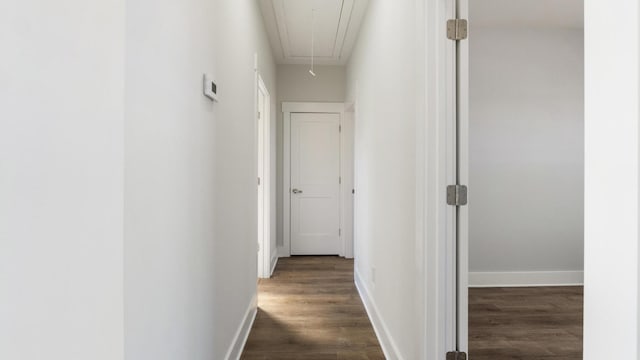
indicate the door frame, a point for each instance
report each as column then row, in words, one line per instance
column 263, row 157
column 438, row 169
column 462, row 162
column 346, row 172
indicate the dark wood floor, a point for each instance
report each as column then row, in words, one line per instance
column 537, row 323
column 311, row 310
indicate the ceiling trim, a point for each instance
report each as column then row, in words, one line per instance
column 343, row 37
column 343, row 26
column 278, row 10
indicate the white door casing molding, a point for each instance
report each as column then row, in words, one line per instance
column 347, row 146
column 438, row 149
column 347, row 178
column 263, row 142
column 462, row 159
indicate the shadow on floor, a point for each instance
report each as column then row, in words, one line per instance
column 310, row 310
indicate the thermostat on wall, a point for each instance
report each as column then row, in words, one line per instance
column 210, row 88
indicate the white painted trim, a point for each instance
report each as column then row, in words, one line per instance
column 347, row 169
column 274, row 263
column 462, row 112
column 347, row 177
column 351, row 17
column 436, row 150
column 281, row 22
column 312, row 107
column 242, row 334
column 612, row 141
column 389, row 347
column 285, row 250
column 526, row 278
column 257, row 163
column 264, row 189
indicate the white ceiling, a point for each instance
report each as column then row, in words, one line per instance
column 527, row 13
column 289, row 25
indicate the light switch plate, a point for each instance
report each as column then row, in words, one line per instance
column 210, row 88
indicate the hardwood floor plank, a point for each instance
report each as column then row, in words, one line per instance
column 536, row 323
column 310, row 309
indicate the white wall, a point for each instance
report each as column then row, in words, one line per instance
column 190, row 176
column 241, row 35
column 296, row 84
column 612, row 159
column 526, row 149
column 61, row 147
column 384, row 76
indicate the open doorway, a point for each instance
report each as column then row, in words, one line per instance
column 525, row 171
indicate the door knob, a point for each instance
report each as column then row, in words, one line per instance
column 296, row 191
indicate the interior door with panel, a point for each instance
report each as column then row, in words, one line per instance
column 315, row 184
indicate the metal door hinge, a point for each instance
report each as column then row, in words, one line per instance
column 339, row 232
column 258, row 181
column 456, row 355
column 339, row 179
column 457, row 29
column 339, row 128
column 457, row 195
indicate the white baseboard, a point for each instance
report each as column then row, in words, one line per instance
column 274, row 262
column 382, row 333
column 526, row 278
column 242, row 334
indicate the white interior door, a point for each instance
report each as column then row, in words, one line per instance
column 315, row 184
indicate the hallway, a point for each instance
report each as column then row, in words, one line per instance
column 158, row 157
column 311, row 309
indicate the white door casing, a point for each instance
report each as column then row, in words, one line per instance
column 263, row 181
column 345, row 170
column 449, row 167
column 260, row 147
column 347, row 192
column 462, row 149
